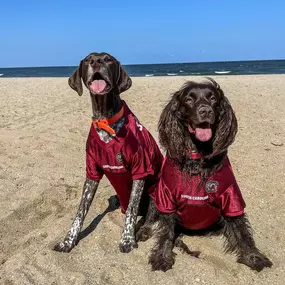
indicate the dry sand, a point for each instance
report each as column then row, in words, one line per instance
column 44, row 126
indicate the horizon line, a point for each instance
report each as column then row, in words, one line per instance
column 131, row 64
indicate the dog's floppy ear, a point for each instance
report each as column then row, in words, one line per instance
column 75, row 80
column 171, row 130
column 227, row 126
column 124, row 82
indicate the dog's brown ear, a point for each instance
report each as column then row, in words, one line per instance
column 74, row 80
column 170, row 128
column 124, row 82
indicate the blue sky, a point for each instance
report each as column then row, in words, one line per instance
column 54, row 33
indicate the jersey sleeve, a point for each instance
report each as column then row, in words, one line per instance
column 93, row 171
column 231, row 201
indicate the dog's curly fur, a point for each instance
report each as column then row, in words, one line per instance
column 175, row 138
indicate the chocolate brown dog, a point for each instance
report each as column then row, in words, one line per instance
column 197, row 191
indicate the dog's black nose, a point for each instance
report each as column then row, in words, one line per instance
column 205, row 112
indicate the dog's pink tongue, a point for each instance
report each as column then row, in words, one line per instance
column 98, row 86
column 203, row 135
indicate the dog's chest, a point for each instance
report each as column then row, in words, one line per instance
column 106, row 136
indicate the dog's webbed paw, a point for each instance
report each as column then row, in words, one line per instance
column 64, row 246
column 255, row 260
column 160, row 261
column 127, row 246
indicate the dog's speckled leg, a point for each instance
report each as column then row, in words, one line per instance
column 128, row 241
column 89, row 190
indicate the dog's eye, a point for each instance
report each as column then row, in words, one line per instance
column 189, row 100
column 107, row 58
column 213, row 99
column 89, row 61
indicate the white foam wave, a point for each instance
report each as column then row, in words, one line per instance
column 172, row 74
column 149, row 75
column 222, row 72
column 1, row 74
column 195, row 73
column 181, row 70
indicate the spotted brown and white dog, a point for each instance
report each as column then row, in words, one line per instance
column 118, row 146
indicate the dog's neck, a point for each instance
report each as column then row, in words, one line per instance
column 203, row 148
column 105, row 107
column 203, row 164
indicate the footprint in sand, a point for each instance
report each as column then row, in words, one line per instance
column 28, row 217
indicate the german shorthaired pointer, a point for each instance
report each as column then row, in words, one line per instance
column 117, row 146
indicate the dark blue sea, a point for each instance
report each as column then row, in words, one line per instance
column 171, row 69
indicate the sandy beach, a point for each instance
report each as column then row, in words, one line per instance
column 43, row 129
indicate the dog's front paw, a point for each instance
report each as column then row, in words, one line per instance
column 255, row 260
column 64, row 246
column 127, row 246
column 160, row 261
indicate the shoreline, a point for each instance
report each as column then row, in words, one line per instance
column 156, row 76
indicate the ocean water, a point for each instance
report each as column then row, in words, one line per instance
column 171, row 69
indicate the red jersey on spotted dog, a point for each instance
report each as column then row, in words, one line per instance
column 198, row 207
column 132, row 154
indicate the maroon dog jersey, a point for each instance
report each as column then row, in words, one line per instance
column 198, row 207
column 131, row 155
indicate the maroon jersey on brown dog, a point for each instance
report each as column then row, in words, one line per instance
column 198, row 207
column 132, row 154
